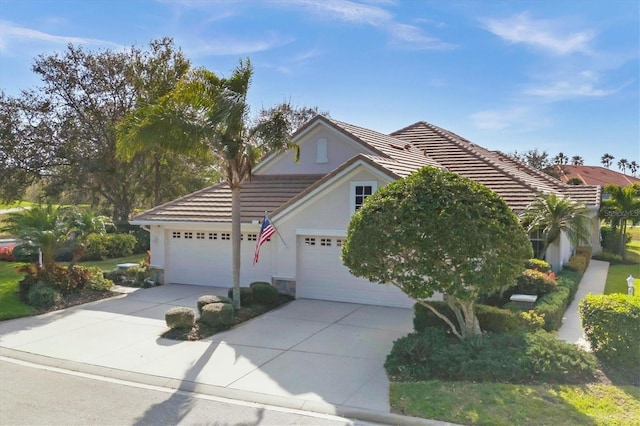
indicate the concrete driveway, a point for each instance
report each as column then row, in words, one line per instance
column 309, row 354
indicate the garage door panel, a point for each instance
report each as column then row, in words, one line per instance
column 321, row 275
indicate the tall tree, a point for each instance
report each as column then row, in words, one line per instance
column 553, row 216
column 621, row 208
column 606, row 160
column 436, row 231
column 576, row 160
column 560, row 159
column 533, row 158
column 622, row 165
column 633, row 167
column 211, row 114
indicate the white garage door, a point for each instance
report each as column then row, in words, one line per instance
column 321, row 275
column 199, row 257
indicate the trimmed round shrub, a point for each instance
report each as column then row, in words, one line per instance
column 180, row 317
column 43, row 296
column 534, row 282
column 209, row 299
column 218, row 315
column 97, row 280
column 25, row 253
column 264, row 293
column 246, row 295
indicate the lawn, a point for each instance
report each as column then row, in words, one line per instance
column 12, row 307
column 618, row 273
column 505, row 404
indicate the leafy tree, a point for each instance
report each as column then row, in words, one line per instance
column 79, row 225
column 575, row 181
column 533, row 158
column 633, row 167
column 41, row 226
column 553, row 216
column 436, row 231
column 606, row 160
column 622, row 164
column 576, row 160
column 211, row 115
column 620, row 208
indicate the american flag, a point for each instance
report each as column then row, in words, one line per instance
column 266, row 232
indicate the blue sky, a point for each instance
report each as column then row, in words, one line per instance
column 560, row 76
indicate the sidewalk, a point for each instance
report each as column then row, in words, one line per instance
column 593, row 281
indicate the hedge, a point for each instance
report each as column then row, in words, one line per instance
column 218, row 315
column 103, row 246
column 180, row 317
column 612, row 326
column 264, row 293
column 246, row 295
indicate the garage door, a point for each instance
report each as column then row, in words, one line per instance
column 321, row 275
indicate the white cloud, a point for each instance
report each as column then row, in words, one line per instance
column 16, row 34
column 519, row 118
column 585, row 83
column 548, row 35
column 231, row 46
column 404, row 35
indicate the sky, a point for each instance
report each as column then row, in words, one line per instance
column 554, row 75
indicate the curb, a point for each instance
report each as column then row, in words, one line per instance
column 221, row 392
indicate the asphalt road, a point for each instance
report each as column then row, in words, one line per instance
column 34, row 395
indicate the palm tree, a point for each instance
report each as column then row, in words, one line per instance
column 80, row 224
column 40, row 226
column 633, row 167
column 606, row 160
column 620, row 208
column 211, row 115
column 576, row 160
column 552, row 216
column 560, row 159
column 622, row 164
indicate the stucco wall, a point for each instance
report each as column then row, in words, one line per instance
column 339, row 150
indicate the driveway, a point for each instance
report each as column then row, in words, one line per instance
column 309, row 354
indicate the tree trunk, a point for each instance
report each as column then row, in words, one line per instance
column 235, row 242
column 466, row 315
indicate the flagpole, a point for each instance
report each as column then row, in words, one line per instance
column 274, row 227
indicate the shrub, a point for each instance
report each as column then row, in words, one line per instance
column 609, row 257
column 534, row 282
column 512, row 358
column 180, row 317
column 264, row 293
column 136, row 276
column 207, row 300
column 576, row 264
column 491, row 319
column 120, row 245
column 96, row 280
column 538, row 265
column 553, row 306
column 43, row 296
column 246, row 295
column 6, row 254
column 584, row 251
column 570, row 280
column 218, row 315
column 25, row 253
column 611, row 325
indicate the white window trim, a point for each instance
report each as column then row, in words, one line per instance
column 352, row 192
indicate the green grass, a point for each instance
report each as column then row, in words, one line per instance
column 618, row 273
column 504, row 404
column 12, row 307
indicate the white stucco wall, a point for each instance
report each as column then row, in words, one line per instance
column 339, row 150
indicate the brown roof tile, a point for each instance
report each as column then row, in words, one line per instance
column 596, row 175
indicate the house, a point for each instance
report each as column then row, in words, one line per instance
column 595, row 175
column 310, row 203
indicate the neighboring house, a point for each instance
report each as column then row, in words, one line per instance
column 311, row 202
column 596, row 175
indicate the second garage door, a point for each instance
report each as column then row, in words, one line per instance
column 321, row 275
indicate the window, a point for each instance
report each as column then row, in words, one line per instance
column 188, row 235
column 325, row 242
column 321, row 151
column 252, row 237
column 225, row 236
column 309, row 241
column 360, row 191
column 213, row 236
column 338, row 242
column 199, row 235
column 176, row 234
column 537, row 242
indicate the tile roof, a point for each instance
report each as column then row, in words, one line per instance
column 515, row 182
column 596, row 175
column 213, row 204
